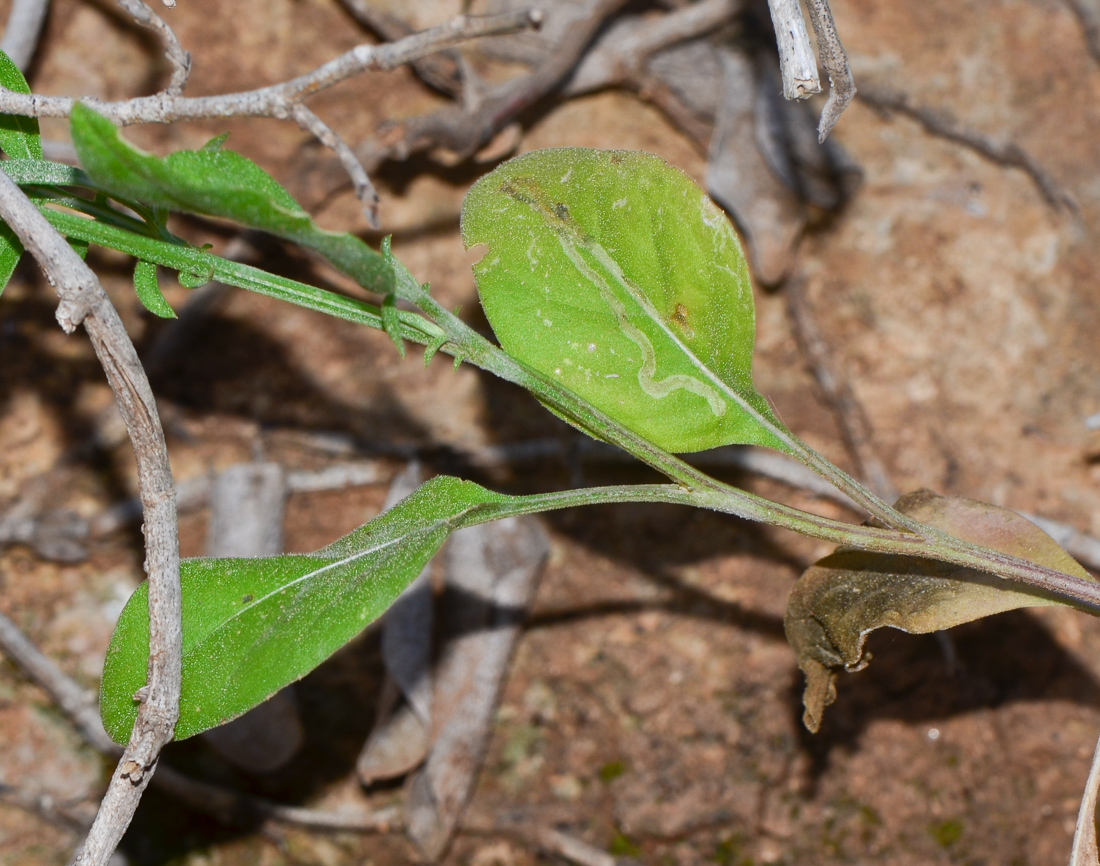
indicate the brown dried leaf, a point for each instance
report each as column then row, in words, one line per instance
column 848, row 594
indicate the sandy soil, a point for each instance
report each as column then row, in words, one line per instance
column 654, row 706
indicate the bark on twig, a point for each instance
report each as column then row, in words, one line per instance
column 84, row 300
column 278, row 99
column 79, row 704
column 440, row 71
column 621, row 54
column 464, row 132
column 281, row 101
column 23, row 29
column 179, row 59
column 1085, row 852
column 360, row 181
column 1004, row 153
column 229, row 807
column 854, row 427
column 835, row 60
column 236, row 809
column 796, row 58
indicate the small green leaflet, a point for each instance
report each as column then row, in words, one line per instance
column 148, row 291
column 251, row 626
column 613, row 274
column 11, row 249
column 219, row 183
column 19, row 139
column 19, row 136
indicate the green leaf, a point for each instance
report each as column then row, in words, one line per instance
column 219, row 183
column 19, row 136
column 391, row 322
column 613, row 274
column 81, row 247
column 148, row 291
column 850, row 593
column 216, row 142
column 195, row 279
column 11, row 248
column 40, row 171
column 251, row 626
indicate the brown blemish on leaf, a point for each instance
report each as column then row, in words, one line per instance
column 679, row 318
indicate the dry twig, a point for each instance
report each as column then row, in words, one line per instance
column 229, row 807
column 440, row 71
column 854, row 426
column 360, row 181
column 83, row 300
column 1004, row 153
column 463, row 131
column 179, row 59
column 276, row 100
column 796, row 58
column 1085, row 852
column 835, row 60
column 621, row 54
column 281, row 101
column 23, row 29
column 79, row 704
column 232, row 807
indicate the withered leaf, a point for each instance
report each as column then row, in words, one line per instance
column 848, row 594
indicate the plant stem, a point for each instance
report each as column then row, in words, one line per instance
column 445, row 331
column 1084, row 594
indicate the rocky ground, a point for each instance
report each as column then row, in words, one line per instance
column 653, row 708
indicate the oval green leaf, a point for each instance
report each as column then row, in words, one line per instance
column 251, row 626
column 219, row 183
column 613, row 274
column 845, row 596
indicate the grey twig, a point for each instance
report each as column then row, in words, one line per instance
column 229, row 807
column 364, row 189
column 1088, row 12
column 622, row 52
column 177, row 57
column 621, row 56
column 79, row 704
column 441, row 71
column 1004, row 153
column 462, row 131
column 797, row 63
column 278, row 99
column 854, row 426
column 835, row 60
column 518, row 826
column 1085, row 852
column 23, row 30
column 46, row 807
column 84, row 300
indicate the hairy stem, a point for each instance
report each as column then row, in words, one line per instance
column 445, row 332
